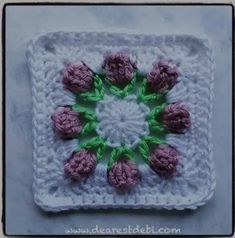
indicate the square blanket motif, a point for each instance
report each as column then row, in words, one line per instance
column 194, row 182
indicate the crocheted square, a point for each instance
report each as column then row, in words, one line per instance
column 121, row 121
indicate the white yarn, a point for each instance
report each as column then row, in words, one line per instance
column 122, row 121
column 194, row 185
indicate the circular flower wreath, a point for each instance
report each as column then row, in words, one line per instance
column 122, row 120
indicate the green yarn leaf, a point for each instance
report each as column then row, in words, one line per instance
column 126, row 90
column 156, row 111
column 100, row 152
column 90, row 126
column 88, row 115
column 144, row 147
column 142, row 94
column 153, row 140
column 116, row 154
column 144, row 150
column 153, row 123
column 98, row 92
column 95, row 142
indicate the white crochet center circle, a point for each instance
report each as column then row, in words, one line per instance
column 122, row 121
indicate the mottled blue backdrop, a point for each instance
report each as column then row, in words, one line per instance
column 23, row 22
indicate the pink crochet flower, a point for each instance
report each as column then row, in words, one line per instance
column 123, row 175
column 119, row 68
column 162, row 77
column 176, row 117
column 66, row 122
column 164, row 160
column 78, row 78
column 80, row 165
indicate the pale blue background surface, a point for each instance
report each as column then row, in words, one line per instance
column 23, row 22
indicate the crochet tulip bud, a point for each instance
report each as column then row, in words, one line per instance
column 123, row 175
column 162, row 77
column 176, row 118
column 80, row 165
column 78, row 78
column 119, row 68
column 66, row 122
column 164, row 160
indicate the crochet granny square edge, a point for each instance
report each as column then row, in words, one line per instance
column 43, row 200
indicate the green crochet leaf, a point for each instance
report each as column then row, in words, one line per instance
column 86, row 114
column 126, row 90
column 88, row 127
column 142, row 93
column 97, row 143
column 117, row 153
column 152, row 118
column 144, row 147
column 98, row 92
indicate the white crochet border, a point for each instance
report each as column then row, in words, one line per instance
column 47, row 55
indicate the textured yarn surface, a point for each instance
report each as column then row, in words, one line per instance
column 195, row 182
column 122, row 121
